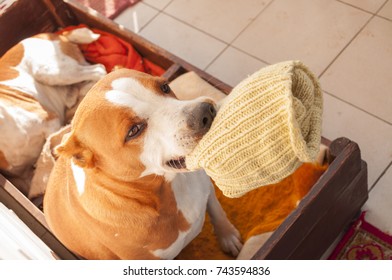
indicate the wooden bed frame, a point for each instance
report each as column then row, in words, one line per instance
column 330, row 206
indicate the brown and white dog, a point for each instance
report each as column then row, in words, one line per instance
column 119, row 189
column 42, row 79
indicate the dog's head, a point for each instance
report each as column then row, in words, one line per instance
column 130, row 124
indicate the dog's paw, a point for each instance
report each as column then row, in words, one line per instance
column 229, row 238
column 99, row 70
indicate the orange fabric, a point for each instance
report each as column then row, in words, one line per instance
column 112, row 51
column 259, row 211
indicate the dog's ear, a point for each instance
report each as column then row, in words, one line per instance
column 71, row 147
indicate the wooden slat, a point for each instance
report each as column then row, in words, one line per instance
column 24, row 19
column 173, row 72
column 341, row 214
column 60, row 12
column 32, row 217
column 345, row 176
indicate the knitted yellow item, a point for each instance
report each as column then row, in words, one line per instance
column 268, row 125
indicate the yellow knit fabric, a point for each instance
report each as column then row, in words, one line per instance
column 268, row 125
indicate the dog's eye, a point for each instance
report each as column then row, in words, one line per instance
column 134, row 131
column 165, row 88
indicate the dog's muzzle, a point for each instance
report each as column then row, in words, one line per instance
column 201, row 117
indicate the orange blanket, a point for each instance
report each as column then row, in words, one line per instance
column 112, row 51
column 259, row 211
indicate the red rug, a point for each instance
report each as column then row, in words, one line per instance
column 363, row 241
column 108, row 8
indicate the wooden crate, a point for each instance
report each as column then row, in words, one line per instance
column 329, row 207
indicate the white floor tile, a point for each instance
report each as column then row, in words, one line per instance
column 367, row 5
column 386, row 11
column 372, row 135
column 314, row 31
column 159, row 4
column 182, row 40
column 362, row 74
column 223, row 19
column 232, row 66
column 136, row 17
column 379, row 205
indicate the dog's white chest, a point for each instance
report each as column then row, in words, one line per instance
column 191, row 191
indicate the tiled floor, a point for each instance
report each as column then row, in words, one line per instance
column 347, row 43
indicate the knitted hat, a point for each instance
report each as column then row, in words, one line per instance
column 267, row 126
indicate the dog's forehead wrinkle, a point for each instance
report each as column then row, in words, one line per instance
column 157, row 109
column 141, row 90
column 129, row 92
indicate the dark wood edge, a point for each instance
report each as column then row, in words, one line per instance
column 59, row 11
column 325, row 141
column 173, row 72
column 11, row 20
column 33, row 217
column 336, row 220
column 340, row 180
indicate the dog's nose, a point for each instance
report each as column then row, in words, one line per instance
column 201, row 118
